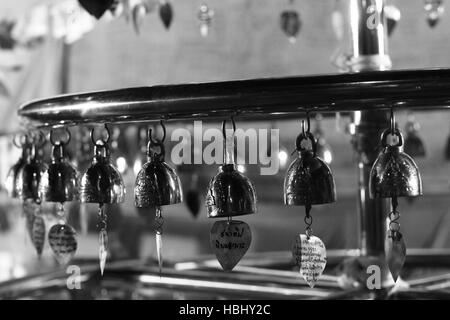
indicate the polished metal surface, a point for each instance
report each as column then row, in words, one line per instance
column 11, row 185
column 102, row 182
column 29, row 177
column 252, row 99
column 308, row 180
column 394, row 173
column 60, row 182
column 157, row 184
column 230, row 193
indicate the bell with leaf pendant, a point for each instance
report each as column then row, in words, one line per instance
column 230, row 194
column 157, row 185
column 308, row 182
column 102, row 184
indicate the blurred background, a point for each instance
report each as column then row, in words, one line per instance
column 244, row 41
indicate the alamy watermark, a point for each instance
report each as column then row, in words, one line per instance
column 259, row 142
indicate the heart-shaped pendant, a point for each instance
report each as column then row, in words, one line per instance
column 310, row 255
column 38, row 234
column 230, row 240
column 63, row 241
column 395, row 253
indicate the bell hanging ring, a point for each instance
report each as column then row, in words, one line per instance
column 157, row 183
column 308, row 180
column 60, row 182
column 230, row 193
column 102, row 182
column 394, row 173
column 11, row 178
column 30, row 174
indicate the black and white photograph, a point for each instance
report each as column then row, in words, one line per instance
column 231, row 157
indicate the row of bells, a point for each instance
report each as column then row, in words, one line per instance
column 308, row 180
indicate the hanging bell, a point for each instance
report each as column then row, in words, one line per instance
column 59, row 183
column 102, row 182
column 308, row 180
column 157, row 184
column 11, row 178
column 394, row 173
column 30, row 174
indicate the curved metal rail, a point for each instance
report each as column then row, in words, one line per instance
column 253, row 99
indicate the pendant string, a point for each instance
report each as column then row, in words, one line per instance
column 394, row 225
column 308, row 221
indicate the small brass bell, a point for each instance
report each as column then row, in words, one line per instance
column 157, row 184
column 11, row 178
column 308, row 180
column 394, row 173
column 230, row 193
column 30, row 174
column 102, row 182
column 60, row 182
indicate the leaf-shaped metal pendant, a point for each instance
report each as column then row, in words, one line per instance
column 38, row 234
column 290, row 24
column 310, row 254
column 395, row 253
column 103, row 249
column 63, row 242
column 166, row 13
column 230, row 240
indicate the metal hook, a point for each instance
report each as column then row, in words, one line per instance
column 23, row 140
column 157, row 142
column 60, row 142
column 105, row 142
column 224, row 124
column 392, row 121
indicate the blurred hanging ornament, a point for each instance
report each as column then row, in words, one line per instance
column 308, row 182
column 117, row 8
column 393, row 16
column 157, row 185
column 193, row 196
column 165, row 13
column 290, row 23
column 323, row 148
column 434, row 9
column 414, row 145
column 205, row 16
column 60, row 184
column 394, row 174
column 230, row 193
column 11, row 178
column 28, row 179
column 96, row 7
column 102, row 184
column 138, row 13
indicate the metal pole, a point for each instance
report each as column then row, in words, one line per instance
column 368, row 34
